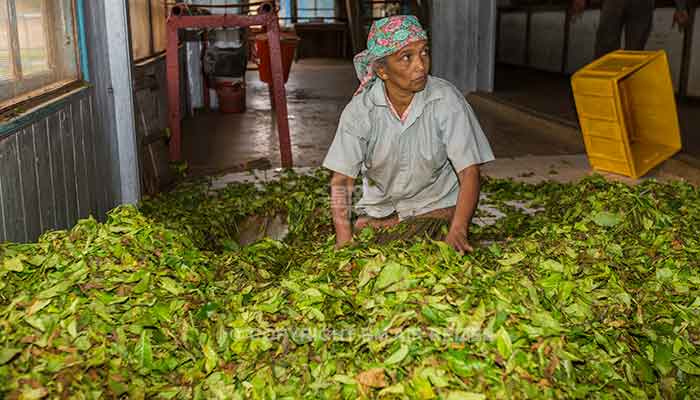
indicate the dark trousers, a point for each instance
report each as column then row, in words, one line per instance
column 635, row 16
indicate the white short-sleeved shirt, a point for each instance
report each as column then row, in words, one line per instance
column 409, row 167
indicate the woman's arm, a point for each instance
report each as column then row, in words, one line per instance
column 341, row 201
column 467, row 200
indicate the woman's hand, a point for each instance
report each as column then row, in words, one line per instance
column 467, row 201
column 457, row 237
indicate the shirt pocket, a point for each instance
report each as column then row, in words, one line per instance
column 432, row 150
column 379, row 147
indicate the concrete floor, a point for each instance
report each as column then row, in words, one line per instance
column 523, row 141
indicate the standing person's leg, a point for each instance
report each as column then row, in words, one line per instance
column 610, row 27
column 638, row 21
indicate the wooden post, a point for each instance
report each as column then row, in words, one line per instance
column 687, row 52
column 173, row 73
column 355, row 26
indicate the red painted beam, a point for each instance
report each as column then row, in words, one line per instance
column 279, row 93
column 219, row 21
column 172, row 61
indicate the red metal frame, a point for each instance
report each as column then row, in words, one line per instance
column 177, row 22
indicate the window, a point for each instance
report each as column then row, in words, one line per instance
column 37, row 48
column 386, row 9
column 377, row 9
column 308, row 10
column 148, row 30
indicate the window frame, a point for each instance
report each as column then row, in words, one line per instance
column 47, row 83
column 372, row 7
column 152, row 34
column 316, row 9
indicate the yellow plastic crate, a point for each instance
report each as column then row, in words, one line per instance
column 627, row 111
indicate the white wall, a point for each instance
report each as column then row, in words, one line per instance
column 663, row 37
column 547, row 40
column 582, row 33
column 511, row 42
column 463, row 42
column 546, row 43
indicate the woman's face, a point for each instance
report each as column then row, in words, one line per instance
column 407, row 69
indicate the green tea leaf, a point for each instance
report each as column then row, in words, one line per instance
column 392, row 277
column 552, row 265
column 171, row 286
column 687, row 366
column 503, row 343
column 512, row 259
column 13, row 264
column 460, row 395
column 143, row 352
column 607, row 219
column 211, row 358
column 7, row 354
column 397, row 356
column 662, row 359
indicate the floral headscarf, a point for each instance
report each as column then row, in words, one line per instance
column 386, row 37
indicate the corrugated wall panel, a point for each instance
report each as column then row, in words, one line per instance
column 458, row 48
column 487, row 48
column 55, row 149
column 89, row 151
column 80, row 162
column 30, row 190
column 49, row 176
column 11, row 193
column 44, row 176
column 68, row 162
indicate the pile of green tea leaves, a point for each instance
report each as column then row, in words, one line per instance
column 595, row 296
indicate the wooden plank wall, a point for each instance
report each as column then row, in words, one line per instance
column 52, row 172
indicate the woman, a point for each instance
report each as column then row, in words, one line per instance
column 413, row 137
